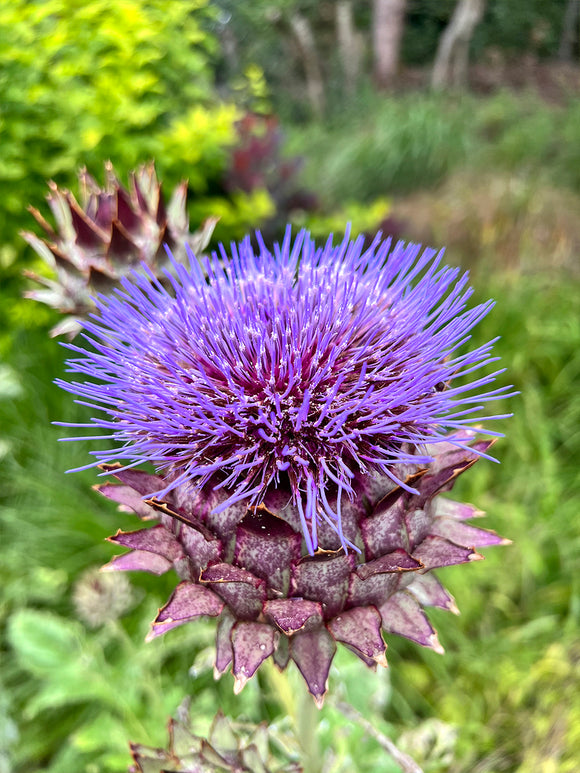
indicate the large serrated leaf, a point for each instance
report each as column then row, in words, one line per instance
column 44, row 642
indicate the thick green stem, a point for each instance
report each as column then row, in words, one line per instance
column 300, row 707
column 306, row 723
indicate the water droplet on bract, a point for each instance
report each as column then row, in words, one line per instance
column 262, row 646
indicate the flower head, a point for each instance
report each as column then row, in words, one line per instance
column 295, row 404
column 302, row 368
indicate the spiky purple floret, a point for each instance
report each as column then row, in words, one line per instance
column 308, row 364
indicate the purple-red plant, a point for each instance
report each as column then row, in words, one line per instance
column 257, row 162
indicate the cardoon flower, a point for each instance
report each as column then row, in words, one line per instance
column 303, row 409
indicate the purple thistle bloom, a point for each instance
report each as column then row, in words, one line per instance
column 302, row 368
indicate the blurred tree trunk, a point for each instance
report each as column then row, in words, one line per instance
column 230, row 51
column 569, row 31
column 452, row 58
column 348, row 44
column 387, row 31
column 302, row 31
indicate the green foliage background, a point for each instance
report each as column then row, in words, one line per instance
column 82, row 82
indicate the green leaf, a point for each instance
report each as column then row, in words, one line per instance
column 104, row 732
column 67, row 688
column 43, row 642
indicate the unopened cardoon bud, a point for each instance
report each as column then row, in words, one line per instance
column 99, row 598
column 304, row 409
column 228, row 747
column 432, row 743
column 103, row 237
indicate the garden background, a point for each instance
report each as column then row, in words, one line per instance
column 288, row 110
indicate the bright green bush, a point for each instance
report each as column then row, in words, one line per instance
column 82, row 82
column 363, row 218
column 124, row 80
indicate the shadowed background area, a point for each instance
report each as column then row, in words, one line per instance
column 314, row 113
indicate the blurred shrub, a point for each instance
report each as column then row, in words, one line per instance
column 197, row 143
column 251, row 90
column 83, row 82
column 238, row 214
column 389, row 145
column 497, row 220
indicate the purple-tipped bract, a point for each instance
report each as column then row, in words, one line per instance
column 299, row 368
